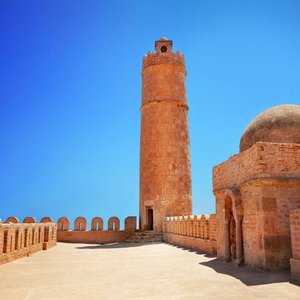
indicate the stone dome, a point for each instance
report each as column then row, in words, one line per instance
column 278, row 124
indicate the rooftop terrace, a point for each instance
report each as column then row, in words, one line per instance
column 136, row 271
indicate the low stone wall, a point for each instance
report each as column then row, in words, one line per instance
column 295, row 238
column 97, row 234
column 22, row 239
column 193, row 232
column 93, row 237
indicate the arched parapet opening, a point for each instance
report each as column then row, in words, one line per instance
column 170, row 229
column 167, row 225
column 14, row 220
column 35, row 234
column 63, row 224
column 204, row 226
column 29, row 220
column 9, row 235
column 190, row 226
column 19, row 237
column 185, row 225
column 180, row 225
column 27, row 235
column 212, row 227
column 46, row 220
column 197, row 226
column 97, row 224
column 47, row 234
column 80, row 224
column 114, row 224
column 130, row 223
column 175, row 225
column 40, row 233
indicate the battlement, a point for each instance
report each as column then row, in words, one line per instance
column 196, row 232
column 22, row 239
column 173, row 58
column 80, row 233
column 97, row 234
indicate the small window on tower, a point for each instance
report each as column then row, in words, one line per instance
column 163, row 49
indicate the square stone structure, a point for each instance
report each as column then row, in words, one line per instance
column 165, row 172
column 257, row 189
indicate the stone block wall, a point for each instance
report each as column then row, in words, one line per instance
column 295, row 238
column 22, row 239
column 262, row 160
column 97, row 234
column 193, row 232
column 258, row 188
column 165, row 171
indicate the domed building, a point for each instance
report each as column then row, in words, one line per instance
column 279, row 124
column 258, row 190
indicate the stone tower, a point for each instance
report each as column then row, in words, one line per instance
column 165, row 171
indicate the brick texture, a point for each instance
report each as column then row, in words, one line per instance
column 97, row 234
column 295, row 234
column 192, row 232
column 165, row 176
column 22, row 239
column 260, row 186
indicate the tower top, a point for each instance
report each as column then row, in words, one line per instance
column 163, row 55
column 163, row 46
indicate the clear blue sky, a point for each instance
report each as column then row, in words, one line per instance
column 70, row 93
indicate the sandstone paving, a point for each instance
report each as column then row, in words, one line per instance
column 136, row 271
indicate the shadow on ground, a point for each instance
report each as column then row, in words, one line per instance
column 247, row 275
column 116, row 245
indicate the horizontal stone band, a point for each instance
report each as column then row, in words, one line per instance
column 179, row 104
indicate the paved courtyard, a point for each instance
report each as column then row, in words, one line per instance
column 124, row 271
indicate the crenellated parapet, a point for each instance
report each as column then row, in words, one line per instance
column 194, row 231
column 46, row 233
column 80, row 224
column 173, row 58
column 96, row 232
column 22, row 239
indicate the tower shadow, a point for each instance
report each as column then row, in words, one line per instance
column 115, row 245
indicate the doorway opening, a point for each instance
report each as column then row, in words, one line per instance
column 149, row 219
column 230, row 238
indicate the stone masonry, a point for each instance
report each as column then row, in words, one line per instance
column 165, row 175
column 295, row 234
column 22, row 239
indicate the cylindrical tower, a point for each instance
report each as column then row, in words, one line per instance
column 165, row 172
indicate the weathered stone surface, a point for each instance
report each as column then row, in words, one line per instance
column 22, row 239
column 165, row 176
column 193, row 232
column 295, row 237
column 97, row 234
column 259, row 186
column 279, row 124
